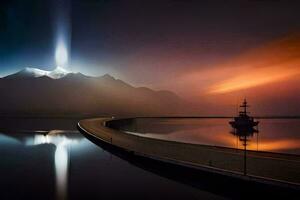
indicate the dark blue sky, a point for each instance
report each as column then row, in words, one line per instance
column 133, row 38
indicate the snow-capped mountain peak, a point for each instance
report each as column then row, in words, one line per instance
column 34, row 72
column 57, row 73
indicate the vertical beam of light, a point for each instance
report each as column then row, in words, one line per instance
column 62, row 27
column 61, row 54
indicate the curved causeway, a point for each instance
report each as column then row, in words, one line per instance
column 263, row 167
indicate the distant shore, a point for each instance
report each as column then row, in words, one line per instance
column 85, row 116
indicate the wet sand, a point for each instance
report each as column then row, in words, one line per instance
column 273, row 168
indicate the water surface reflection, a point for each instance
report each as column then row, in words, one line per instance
column 62, row 140
column 62, row 143
column 62, row 164
column 277, row 135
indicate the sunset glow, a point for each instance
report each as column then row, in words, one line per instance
column 175, row 99
column 273, row 62
column 256, row 78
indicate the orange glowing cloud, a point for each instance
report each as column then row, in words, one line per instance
column 277, row 61
column 269, row 76
column 256, row 78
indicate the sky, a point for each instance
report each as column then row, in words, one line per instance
column 209, row 52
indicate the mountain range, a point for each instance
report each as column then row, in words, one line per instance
column 30, row 72
column 35, row 92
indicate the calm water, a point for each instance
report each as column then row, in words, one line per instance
column 49, row 159
column 275, row 135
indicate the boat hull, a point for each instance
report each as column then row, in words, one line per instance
column 243, row 124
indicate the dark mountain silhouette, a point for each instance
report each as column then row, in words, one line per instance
column 58, row 93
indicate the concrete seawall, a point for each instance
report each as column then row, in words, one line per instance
column 273, row 168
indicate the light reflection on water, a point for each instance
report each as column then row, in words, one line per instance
column 61, row 169
column 61, row 156
column 66, row 165
column 277, row 135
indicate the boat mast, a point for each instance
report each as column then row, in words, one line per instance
column 244, row 105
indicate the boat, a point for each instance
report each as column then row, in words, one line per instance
column 244, row 121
